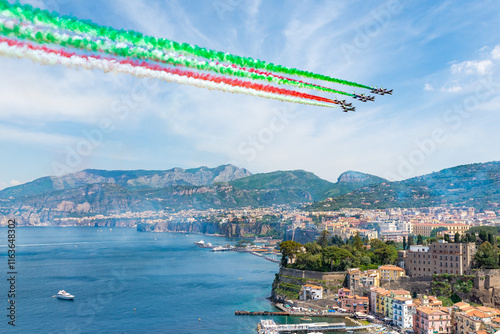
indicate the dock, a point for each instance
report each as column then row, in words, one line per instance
column 294, row 314
column 286, row 312
column 262, row 313
column 270, row 327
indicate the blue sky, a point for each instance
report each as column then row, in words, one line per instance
column 441, row 58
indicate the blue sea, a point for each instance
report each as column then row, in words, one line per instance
column 126, row 281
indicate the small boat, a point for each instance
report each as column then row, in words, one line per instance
column 306, row 319
column 64, row 295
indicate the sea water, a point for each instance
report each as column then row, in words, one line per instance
column 126, row 281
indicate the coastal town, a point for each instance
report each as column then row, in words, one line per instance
column 436, row 282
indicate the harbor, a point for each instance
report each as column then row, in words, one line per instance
column 259, row 251
column 270, row 327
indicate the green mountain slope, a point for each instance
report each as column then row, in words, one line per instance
column 476, row 185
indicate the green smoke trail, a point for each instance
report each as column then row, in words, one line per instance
column 65, row 40
column 38, row 16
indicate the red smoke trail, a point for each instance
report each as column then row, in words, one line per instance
column 189, row 74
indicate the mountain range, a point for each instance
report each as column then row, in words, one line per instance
column 473, row 185
column 100, row 192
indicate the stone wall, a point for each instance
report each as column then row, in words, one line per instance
column 315, row 275
column 413, row 284
column 486, row 287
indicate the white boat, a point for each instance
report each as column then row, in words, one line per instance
column 220, row 249
column 202, row 244
column 64, row 295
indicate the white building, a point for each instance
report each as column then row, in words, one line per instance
column 310, row 291
column 403, row 312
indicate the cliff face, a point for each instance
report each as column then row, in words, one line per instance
column 230, row 230
column 129, row 180
column 358, row 177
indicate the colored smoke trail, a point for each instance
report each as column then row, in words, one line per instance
column 48, row 56
column 53, row 19
column 28, row 32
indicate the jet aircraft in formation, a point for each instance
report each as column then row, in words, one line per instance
column 363, row 97
column 381, row 91
column 345, row 106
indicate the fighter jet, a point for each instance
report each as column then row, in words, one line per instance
column 343, row 103
column 363, row 97
column 381, row 91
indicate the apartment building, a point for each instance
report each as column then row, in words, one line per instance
column 357, row 278
column 403, row 312
column 391, row 272
column 440, row 258
column 375, row 297
column 389, row 301
column 428, row 320
column 355, row 304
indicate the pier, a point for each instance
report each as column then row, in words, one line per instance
column 294, row 314
column 270, row 327
column 262, row 313
column 287, row 312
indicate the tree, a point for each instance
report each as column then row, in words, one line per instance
column 435, row 231
column 457, row 237
column 486, row 256
column 333, row 257
column 404, row 243
column 386, row 254
column 323, row 238
column 337, row 241
column 420, row 239
column 357, row 243
column 289, row 250
column 366, row 260
column 313, row 248
column 308, row 261
column 376, row 244
column 410, row 241
column 447, row 237
column 430, row 241
column 483, row 236
column 391, row 243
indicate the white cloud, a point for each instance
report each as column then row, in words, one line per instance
column 452, row 89
column 495, row 53
column 35, row 138
column 54, row 93
column 14, row 183
column 481, row 67
column 428, row 87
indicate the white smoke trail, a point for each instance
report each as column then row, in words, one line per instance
column 110, row 65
